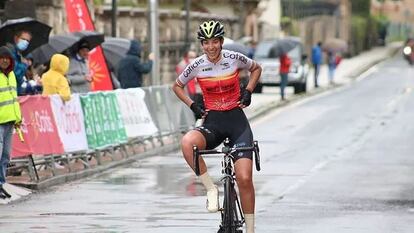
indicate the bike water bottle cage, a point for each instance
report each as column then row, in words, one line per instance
column 210, row 29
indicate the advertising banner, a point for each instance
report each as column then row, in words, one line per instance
column 117, row 125
column 38, row 127
column 79, row 19
column 70, row 123
column 134, row 112
column 88, row 108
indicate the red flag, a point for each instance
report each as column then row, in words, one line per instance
column 79, row 19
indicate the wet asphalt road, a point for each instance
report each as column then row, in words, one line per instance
column 338, row 162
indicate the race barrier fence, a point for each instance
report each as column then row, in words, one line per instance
column 93, row 124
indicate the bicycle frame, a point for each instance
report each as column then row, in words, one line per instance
column 232, row 218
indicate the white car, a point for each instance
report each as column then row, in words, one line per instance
column 299, row 69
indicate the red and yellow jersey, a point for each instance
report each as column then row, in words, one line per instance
column 219, row 81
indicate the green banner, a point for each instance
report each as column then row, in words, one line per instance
column 103, row 122
column 89, row 119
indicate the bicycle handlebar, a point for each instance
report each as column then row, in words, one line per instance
column 227, row 151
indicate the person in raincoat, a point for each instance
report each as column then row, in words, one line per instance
column 131, row 69
column 54, row 81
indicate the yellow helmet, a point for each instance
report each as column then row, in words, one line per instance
column 210, row 29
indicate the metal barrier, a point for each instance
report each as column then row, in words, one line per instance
column 168, row 113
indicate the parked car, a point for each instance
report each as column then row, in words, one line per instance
column 270, row 66
column 408, row 52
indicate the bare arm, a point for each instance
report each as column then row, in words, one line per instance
column 180, row 93
column 255, row 72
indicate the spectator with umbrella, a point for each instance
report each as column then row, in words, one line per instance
column 115, row 49
column 130, row 68
column 79, row 75
column 22, row 36
column 284, row 69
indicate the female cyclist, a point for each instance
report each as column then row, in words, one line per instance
column 217, row 72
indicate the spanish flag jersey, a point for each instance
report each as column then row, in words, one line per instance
column 219, row 81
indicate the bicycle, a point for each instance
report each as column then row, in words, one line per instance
column 232, row 218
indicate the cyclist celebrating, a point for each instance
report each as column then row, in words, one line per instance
column 217, row 72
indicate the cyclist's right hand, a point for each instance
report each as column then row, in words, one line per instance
column 198, row 111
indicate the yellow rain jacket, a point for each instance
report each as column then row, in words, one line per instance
column 54, row 81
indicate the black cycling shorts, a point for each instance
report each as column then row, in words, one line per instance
column 232, row 124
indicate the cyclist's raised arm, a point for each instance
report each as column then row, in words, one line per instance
column 255, row 72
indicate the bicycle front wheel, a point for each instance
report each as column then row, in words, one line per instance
column 229, row 223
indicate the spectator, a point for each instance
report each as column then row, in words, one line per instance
column 54, row 81
column 21, row 43
column 252, row 49
column 130, row 69
column 317, row 60
column 31, row 81
column 331, row 66
column 10, row 114
column 187, row 59
column 192, row 88
column 285, row 63
column 79, row 76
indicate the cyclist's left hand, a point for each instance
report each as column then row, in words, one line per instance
column 246, row 98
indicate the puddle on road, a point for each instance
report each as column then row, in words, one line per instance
column 72, row 214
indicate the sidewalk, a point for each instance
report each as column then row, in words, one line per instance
column 347, row 71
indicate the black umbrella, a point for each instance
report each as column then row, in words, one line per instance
column 57, row 44
column 282, row 46
column 92, row 38
column 40, row 32
column 115, row 49
column 237, row 47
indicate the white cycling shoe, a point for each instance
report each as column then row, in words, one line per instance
column 212, row 200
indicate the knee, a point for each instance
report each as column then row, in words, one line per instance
column 192, row 139
column 244, row 181
column 187, row 142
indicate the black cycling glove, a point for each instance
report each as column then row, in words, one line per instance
column 198, row 111
column 246, row 97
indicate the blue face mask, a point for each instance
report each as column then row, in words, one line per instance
column 22, row 44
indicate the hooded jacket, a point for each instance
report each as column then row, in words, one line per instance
column 9, row 105
column 78, row 70
column 130, row 69
column 54, row 81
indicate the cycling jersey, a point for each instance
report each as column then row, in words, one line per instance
column 219, row 81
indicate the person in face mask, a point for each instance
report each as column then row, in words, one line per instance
column 21, row 43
